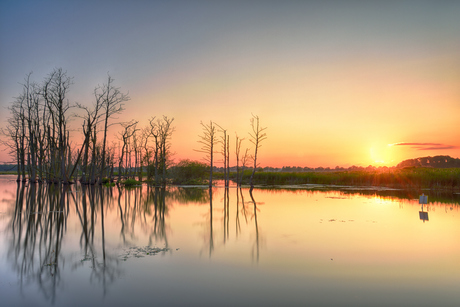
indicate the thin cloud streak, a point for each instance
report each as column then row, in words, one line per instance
column 437, row 148
column 422, row 146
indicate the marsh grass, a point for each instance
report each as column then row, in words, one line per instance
column 408, row 178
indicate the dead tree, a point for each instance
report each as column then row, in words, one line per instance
column 112, row 100
column 165, row 132
column 228, row 161
column 224, row 141
column 31, row 98
column 237, row 154
column 90, row 119
column 128, row 132
column 207, row 141
column 244, row 161
column 16, row 132
column 55, row 90
column 257, row 136
column 145, row 158
column 154, row 132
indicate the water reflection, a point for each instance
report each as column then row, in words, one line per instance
column 88, row 207
column 39, row 224
column 37, row 229
column 94, row 235
column 256, row 246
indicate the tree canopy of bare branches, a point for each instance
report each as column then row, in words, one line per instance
column 257, row 135
column 207, row 141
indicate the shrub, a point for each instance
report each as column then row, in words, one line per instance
column 189, row 172
column 130, row 182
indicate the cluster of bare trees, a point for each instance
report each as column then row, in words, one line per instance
column 37, row 130
column 38, row 136
column 209, row 139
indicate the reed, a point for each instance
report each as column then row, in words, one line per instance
column 432, row 178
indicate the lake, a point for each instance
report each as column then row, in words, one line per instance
column 83, row 246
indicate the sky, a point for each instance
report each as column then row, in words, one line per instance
column 336, row 83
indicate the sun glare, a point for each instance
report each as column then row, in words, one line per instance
column 381, row 154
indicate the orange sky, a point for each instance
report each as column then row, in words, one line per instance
column 334, row 84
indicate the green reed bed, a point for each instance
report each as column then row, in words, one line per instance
column 401, row 178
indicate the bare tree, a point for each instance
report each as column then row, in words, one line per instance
column 16, row 132
column 207, row 141
column 244, row 161
column 55, row 89
column 31, row 98
column 112, row 100
column 225, row 141
column 237, row 154
column 145, row 158
column 165, row 132
column 154, row 131
column 228, row 162
column 257, row 136
column 128, row 132
column 90, row 119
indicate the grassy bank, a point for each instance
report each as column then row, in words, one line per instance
column 409, row 178
column 446, row 179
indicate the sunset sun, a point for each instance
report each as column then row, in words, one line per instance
column 380, row 154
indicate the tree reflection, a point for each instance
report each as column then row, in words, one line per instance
column 208, row 235
column 42, row 213
column 144, row 208
column 159, row 226
column 211, row 238
column 92, row 204
column 242, row 213
column 226, row 214
column 37, row 229
column 38, row 226
column 256, row 245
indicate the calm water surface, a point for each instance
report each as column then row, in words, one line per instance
column 184, row 247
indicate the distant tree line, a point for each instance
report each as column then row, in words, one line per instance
column 436, row 162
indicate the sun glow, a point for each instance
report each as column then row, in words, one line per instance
column 381, row 154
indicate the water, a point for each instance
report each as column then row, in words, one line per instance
column 177, row 247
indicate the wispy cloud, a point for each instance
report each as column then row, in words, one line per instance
column 425, row 146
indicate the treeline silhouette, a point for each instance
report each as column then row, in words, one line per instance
column 435, row 162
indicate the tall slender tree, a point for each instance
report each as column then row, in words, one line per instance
column 165, row 132
column 112, row 100
column 207, row 141
column 237, row 155
column 257, row 136
column 224, row 140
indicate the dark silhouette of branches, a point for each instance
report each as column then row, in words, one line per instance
column 207, row 141
column 257, row 136
column 111, row 99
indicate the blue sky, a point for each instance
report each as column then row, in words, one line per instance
column 333, row 79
